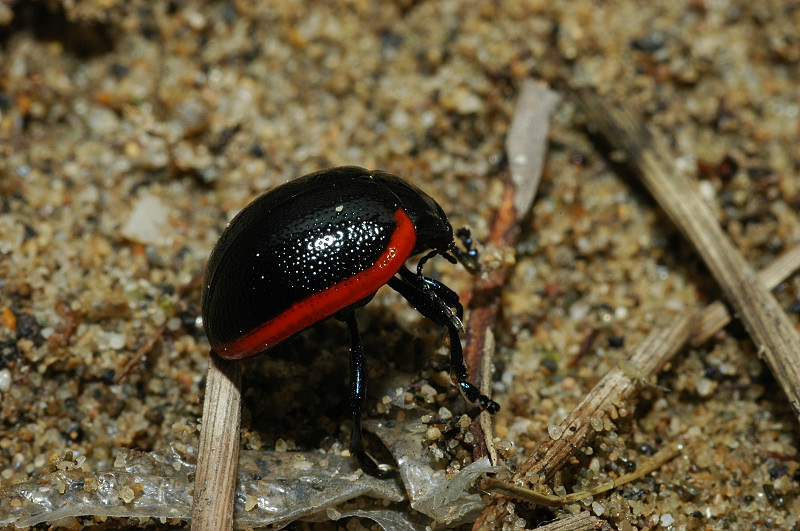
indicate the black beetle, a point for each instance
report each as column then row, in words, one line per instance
column 321, row 246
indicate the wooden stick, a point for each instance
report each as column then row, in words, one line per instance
column 218, row 454
column 770, row 328
column 484, row 308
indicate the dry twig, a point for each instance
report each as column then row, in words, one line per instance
column 525, row 146
column 139, row 355
column 582, row 521
column 218, row 454
column 716, row 315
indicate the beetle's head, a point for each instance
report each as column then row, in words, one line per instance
column 434, row 232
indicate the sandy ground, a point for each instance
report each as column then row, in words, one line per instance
column 130, row 132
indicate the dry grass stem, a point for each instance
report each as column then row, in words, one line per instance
column 582, row 521
column 647, row 465
column 770, row 328
column 716, row 314
column 218, row 454
column 617, row 386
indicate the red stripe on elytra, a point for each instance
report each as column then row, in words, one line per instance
column 320, row 305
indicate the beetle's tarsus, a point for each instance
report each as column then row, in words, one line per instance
column 369, row 465
column 473, row 395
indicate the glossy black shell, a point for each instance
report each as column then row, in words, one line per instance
column 305, row 236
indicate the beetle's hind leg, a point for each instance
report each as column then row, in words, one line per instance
column 358, row 394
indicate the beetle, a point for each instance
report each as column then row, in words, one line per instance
column 320, row 246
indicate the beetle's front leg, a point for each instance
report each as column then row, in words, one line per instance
column 436, row 309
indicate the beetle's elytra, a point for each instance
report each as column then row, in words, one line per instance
column 321, row 246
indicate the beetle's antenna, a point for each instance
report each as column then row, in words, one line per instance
column 449, row 257
column 425, row 259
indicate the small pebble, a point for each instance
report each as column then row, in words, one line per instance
column 8, row 319
column 433, row 433
column 116, row 341
column 428, row 393
column 705, row 387
column 5, row 380
column 126, row 494
column 147, row 223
